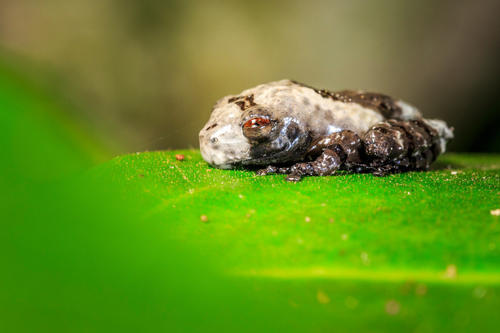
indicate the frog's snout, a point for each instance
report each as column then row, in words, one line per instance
column 223, row 146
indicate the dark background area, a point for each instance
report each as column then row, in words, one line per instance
column 145, row 74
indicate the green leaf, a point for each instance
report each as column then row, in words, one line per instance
column 365, row 250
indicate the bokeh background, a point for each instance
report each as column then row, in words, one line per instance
column 144, row 73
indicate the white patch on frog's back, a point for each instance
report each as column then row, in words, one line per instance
column 321, row 114
column 408, row 111
column 445, row 132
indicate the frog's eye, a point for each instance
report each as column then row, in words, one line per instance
column 257, row 128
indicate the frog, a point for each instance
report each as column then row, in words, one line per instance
column 287, row 127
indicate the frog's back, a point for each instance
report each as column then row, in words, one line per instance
column 323, row 111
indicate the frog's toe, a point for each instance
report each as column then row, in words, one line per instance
column 293, row 177
column 266, row 171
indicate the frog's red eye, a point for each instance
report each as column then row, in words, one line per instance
column 256, row 122
column 257, row 128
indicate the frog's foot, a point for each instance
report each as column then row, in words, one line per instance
column 269, row 170
column 326, row 164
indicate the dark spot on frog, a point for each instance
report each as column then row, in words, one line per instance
column 293, row 131
column 244, row 102
column 241, row 104
column 325, row 115
column 328, row 116
column 317, row 107
column 384, row 104
column 210, row 127
column 215, row 147
column 306, row 101
column 214, row 140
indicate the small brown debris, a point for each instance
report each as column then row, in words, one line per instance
column 322, row 297
column 141, row 175
column 204, row 218
column 307, row 219
column 421, row 289
column 451, row 272
column 180, row 157
column 392, row 307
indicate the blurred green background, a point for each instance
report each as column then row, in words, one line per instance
column 145, row 74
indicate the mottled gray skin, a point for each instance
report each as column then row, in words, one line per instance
column 278, row 122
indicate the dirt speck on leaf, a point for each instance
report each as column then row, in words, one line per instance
column 421, row 289
column 322, row 297
column 451, row 272
column 392, row 307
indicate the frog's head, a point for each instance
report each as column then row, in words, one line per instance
column 259, row 135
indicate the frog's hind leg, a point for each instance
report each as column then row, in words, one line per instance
column 398, row 146
column 269, row 170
